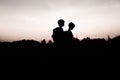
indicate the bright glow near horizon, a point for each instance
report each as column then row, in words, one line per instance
column 35, row 19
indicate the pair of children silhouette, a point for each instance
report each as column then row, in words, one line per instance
column 60, row 36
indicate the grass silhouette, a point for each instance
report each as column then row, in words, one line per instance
column 85, row 47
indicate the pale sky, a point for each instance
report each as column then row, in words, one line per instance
column 35, row 19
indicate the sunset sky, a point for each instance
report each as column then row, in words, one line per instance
column 35, row 19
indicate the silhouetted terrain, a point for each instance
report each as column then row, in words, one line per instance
column 39, row 51
column 85, row 47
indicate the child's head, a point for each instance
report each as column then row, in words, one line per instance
column 71, row 25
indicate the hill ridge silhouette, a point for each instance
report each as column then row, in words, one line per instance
column 84, row 47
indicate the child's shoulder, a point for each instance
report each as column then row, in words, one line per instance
column 55, row 29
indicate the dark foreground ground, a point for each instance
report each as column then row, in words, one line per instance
column 40, row 51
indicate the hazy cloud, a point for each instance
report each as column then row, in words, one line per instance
column 34, row 17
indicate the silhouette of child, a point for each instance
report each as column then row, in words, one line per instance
column 68, row 33
column 58, row 32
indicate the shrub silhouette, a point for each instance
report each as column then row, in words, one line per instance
column 85, row 47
